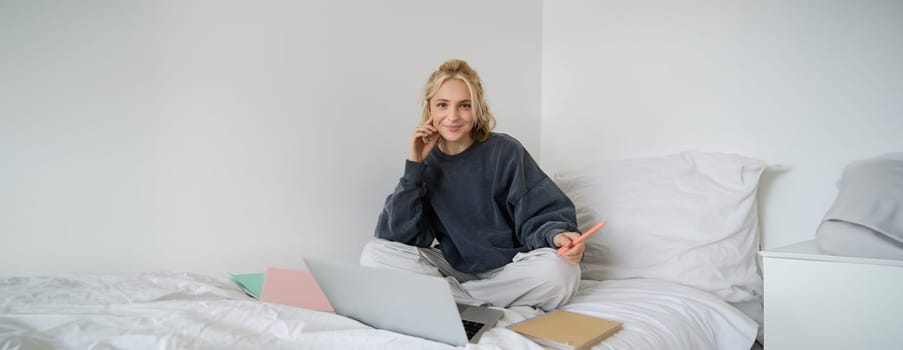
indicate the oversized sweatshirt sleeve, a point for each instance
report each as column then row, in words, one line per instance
column 540, row 209
column 402, row 218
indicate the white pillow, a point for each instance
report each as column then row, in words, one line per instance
column 866, row 219
column 689, row 218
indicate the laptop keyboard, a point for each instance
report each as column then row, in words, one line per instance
column 472, row 328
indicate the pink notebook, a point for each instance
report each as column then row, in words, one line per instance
column 295, row 288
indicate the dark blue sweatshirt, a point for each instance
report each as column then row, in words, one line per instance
column 483, row 205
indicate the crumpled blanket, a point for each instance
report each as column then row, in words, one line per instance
column 172, row 310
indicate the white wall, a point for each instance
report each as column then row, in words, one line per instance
column 216, row 136
column 228, row 136
column 808, row 86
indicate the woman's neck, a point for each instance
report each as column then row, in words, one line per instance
column 453, row 148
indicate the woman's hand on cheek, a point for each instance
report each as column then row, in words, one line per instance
column 423, row 140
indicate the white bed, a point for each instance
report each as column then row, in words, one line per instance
column 182, row 310
column 676, row 264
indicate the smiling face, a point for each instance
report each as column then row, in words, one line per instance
column 452, row 114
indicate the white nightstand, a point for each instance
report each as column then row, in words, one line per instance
column 818, row 301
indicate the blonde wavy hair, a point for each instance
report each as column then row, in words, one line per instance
column 484, row 122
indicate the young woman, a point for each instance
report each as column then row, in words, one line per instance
column 495, row 215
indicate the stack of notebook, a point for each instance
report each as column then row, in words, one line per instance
column 284, row 286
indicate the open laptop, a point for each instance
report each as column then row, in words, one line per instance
column 402, row 302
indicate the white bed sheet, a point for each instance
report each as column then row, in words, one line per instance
column 663, row 315
column 182, row 310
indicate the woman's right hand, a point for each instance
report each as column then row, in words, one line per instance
column 423, row 140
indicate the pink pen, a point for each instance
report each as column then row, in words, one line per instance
column 565, row 248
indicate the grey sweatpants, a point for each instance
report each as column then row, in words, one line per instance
column 539, row 278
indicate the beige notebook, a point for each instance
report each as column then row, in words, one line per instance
column 566, row 330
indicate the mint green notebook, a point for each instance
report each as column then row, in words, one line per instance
column 251, row 283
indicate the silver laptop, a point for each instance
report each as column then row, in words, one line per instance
column 402, row 302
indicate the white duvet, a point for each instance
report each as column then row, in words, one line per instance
column 178, row 311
